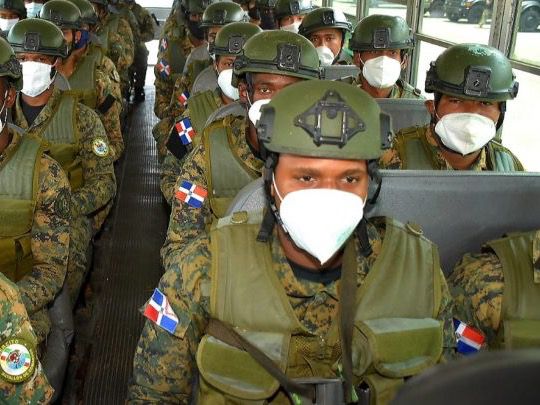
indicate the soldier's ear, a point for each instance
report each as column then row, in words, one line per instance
column 430, row 106
column 357, row 60
column 243, row 92
column 78, row 35
column 11, row 96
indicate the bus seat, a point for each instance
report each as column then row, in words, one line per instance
column 234, row 108
column 501, row 377
column 206, row 80
column 59, row 340
column 337, row 72
column 61, row 83
column 405, row 112
column 474, row 207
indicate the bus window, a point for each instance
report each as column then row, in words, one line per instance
column 389, row 7
column 527, row 33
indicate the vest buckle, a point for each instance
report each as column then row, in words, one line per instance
column 328, row 391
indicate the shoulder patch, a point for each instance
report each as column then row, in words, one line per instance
column 17, row 360
column 191, row 194
column 100, row 147
column 159, row 311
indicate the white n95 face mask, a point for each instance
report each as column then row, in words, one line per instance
column 36, row 78
column 320, row 220
column 7, row 23
column 326, row 56
column 254, row 112
column 381, row 72
column 292, row 27
column 465, row 132
column 225, row 84
column 33, row 9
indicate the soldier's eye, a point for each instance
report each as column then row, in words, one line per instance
column 352, row 179
column 306, row 179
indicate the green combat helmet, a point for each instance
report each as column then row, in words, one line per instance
column 9, row 65
column 37, row 36
column 195, row 6
column 324, row 119
column 278, row 52
column 232, row 37
column 285, row 8
column 219, row 14
column 472, row 71
column 88, row 14
column 324, row 17
column 378, row 32
column 61, row 13
column 16, row 6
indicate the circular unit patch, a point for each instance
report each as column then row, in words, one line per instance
column 17, row 360
column 100, row 147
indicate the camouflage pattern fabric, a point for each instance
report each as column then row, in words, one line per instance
column 401, row 89
column 144, row 19
column 391, row 159
column 164, row 365
column 186, row 223
column 50, row 241
column 477, row 285
column 14, row 324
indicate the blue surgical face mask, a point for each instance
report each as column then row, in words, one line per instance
column 85, row 37
column 33, row 9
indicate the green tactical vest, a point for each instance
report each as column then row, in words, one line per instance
column 111, row 25
column 521, row 297
column 396, row 334
column 201, row 105
column 226, row 173
column 196, row 67
column 415, row 153
column 83, row 79
column 19, row 176
column 63, row 139
column 174, row 54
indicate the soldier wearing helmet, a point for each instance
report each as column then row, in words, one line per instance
column 84, row 71
column 35, row 207
column 273, row 305
column 381, row 46
column 227, row 46
column 74, row 133
column 175, row 44
column 326, row 28
column 33, row 7
column 11, row 11
column 270, row 62
column 471, row 84
column 266, row 10
column 289, row 14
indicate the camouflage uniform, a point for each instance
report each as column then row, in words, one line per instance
column 127, row 15
column 99, row 181
column 171, row 166
column 121, row 47
column 146, row 33
column 401, row 89
column 186, row 222
column 164, row 365
column 14, row 324
column 50, row 240
column 392, row 159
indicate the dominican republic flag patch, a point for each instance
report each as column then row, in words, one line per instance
column 469, row 340
column 160, row 312
column 192, row 194
column 163, row 44
column 164, row 68
column 183, row 98
column 185, row 131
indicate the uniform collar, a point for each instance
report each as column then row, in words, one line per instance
column 47, row 111
column 239, row 143
column 11, row 148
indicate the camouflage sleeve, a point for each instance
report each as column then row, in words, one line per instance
column 164, row 365
column 14, row 323
column 122, row 50
column 107, row 65
column 134, row 25
column 111, row 117
column 98, row 172
column 164, row 89
column 177, row 106
column 146, row 24
column 50, row 238
column 170, row 170
column 187, row 222
column 446, row 316
column 477, row 285
column 390, row 160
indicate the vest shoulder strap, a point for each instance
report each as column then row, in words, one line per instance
column 500, row 159
column 61, row 126
column 175, row 54
column 83, row 80
column 411, row 146
column 201, row 105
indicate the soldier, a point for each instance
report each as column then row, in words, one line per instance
column 33, row 7
column 17, row 338
column 140, row 63
column 181, row 34
column 271, row 61
column 34, row 207
column 74, row 133
column 116, row 39
column 498, row 291
column 381, row 46
column 471, row 84
column 290, row 13
column 326, row 28
column 227, row 46
column 11, row 11
column 308, row 282
column 83, row 71
column 267, row 14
